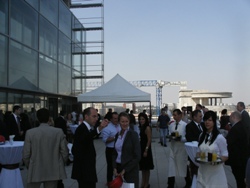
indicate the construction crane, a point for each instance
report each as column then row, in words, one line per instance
column 159, row 84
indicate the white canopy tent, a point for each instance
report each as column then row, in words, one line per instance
column 114, row 91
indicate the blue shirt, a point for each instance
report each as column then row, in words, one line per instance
column 110, row 131
column 163, row 120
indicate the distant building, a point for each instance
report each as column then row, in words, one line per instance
column 211, row 100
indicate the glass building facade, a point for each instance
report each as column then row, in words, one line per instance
column 36, row 65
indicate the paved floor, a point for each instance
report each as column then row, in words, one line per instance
column 158, row 177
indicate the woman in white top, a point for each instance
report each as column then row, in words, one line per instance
column 212, row 141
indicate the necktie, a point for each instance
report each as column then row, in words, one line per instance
column 206, row 140
column 18, row 123
column 199, row 126
column 176, row 125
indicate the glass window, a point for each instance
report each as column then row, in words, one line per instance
column 13, row 99
column 24, row 23
column 3, row 61
column 3, row 16
column 64, row 55
column 48, row 38
column 64, row 80
column 49, row 8
column 33, row 3
column 77, row 83
column 65, row 19
column 3, row 101
column 23, row 67
column 77, row 36
column 77, row 62
column 47, row 74
column 28, row 102
column 39, row 102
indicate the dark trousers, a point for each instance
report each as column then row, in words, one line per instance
column 239, row 174
column 109, row 152
column 171, row 180
column 85, row 184
column 188, row 178
column 60, row 184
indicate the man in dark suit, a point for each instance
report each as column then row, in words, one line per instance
column 3, row 130
column 60, row 122
column 194, row 128
column 14, row 125
column 193, row 131
column 245, row 119
column 83, row 150
column 237, row 148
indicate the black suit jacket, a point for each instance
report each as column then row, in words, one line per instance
column 246, row 122
column 3, row 130
column 245, row 118
column 130, row 158
column 192, row 132
column 237, row 145
column 83, row 150
column 61, row 123
column 12, row 128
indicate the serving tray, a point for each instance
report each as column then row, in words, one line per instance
column 205, row 161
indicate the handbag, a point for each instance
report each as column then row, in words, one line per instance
column 127, row 185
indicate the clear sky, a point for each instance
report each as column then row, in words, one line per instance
column 203, row 42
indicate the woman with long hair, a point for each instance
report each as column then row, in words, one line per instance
column 146, row 162
column 212, row 141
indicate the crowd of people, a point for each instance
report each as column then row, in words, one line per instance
column 128, row 151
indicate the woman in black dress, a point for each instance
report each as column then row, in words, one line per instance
column 146, row 162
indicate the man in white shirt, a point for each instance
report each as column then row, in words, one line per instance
column 108, row 137
column 178, row 155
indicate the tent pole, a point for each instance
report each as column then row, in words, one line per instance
column 150, row 112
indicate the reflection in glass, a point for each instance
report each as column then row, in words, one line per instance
column 64, row 55
column 3, row 101
column 24, row 23
column 13, row 99
column 65, row 20
column 49, row 8
column 3, row 16
column 76, row 64
column 33, row 3
column 48, row 39
column 47, row 74
column 77, row 83
column 77, row 37
column 3, row 61
column 28, row 102
column 41, row 104
column 22, row 67
column 64, row 79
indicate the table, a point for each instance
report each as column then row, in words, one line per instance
column 73, row 128
column 192, row 149
column 11, row 155
column 71, row 157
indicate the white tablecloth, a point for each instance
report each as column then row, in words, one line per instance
column 11, row 154
column 71, row 158
column 73, row 128
column 192, row 149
